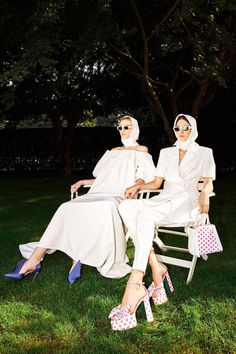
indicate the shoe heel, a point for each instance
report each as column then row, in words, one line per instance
column 35, row 275
column 157, row 293
column 168, row 283
column 37, row 270
column 147, row 308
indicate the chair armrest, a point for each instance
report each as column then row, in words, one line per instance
column 145, row 193
column 150, row 191
column 75, row 194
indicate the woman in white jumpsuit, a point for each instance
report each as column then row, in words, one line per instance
column 89, row 228
column 180, row 167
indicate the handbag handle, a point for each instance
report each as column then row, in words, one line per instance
column 207, row 220
column 203, row 219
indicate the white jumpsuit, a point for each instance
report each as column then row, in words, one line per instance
column 177, row 204
column 89, row 228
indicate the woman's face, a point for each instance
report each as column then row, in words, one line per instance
column 124, row 128
column 182, row 135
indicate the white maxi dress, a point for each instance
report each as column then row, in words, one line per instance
column 89, row 228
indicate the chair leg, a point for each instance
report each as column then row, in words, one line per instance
column 191, row 269
column 159, row 243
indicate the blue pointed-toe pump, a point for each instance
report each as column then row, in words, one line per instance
column 16, row 275
column 19, row 265
column 74, row 273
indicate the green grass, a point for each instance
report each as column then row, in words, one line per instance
column 48, row 315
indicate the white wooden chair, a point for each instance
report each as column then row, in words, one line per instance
column 170, row 230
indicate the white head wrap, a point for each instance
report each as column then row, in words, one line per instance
column 190, row 142
column 132, row 140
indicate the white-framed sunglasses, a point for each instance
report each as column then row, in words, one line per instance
column 125, row 127
column 184, row 128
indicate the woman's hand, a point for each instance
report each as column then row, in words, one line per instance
column 75, row 186
column 132, row 192
column 204, row 202
column 82, row 182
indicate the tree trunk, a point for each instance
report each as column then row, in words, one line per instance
column 63, row 139
column 156, row 106
column 197, row 103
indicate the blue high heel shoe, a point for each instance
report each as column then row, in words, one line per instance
column 19, row 265
column 16, row 275
column 74, row 273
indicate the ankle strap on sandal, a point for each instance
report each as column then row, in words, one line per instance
column 135, row 283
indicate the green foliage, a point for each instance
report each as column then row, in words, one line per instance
column 181, row 51
column 56, row 55
column 59, row 54
column 212, row 28
column 62, row 59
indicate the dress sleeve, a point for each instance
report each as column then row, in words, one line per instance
column 145, row 168
column 101, row 163
column 209, row 167
column 160, row 169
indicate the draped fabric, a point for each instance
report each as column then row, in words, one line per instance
column 89, row 228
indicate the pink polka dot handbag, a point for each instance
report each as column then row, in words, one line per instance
column 203, row 239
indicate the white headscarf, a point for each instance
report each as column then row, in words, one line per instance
column 190, row 142
column 132, row 140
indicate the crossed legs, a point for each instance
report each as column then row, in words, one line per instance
column 141, row 218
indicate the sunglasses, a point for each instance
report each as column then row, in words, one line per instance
column 184, row 128
column 125, row 127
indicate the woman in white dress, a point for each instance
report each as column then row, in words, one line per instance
column 180, row 167
column 89, row 228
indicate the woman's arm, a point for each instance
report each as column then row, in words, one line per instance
column 133, row 190
column 139, row 181
column 204, row 197
column 80, row 183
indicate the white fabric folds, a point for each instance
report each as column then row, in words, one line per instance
column 89, row 228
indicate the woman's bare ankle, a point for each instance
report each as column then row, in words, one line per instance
column 158, row 271
column 73, row 265
column 134, row 290
column 133, row 293
column 29, row 265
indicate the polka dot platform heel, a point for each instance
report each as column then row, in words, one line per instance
column 167, row 282
column 121, row 318
column 158, row 292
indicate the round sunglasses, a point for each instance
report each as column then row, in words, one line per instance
column 184, row 128
column 125, row 127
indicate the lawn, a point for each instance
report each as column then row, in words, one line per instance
column 47, row 315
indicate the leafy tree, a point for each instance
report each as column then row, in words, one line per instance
column 178, row 51
column 65, row 60
column 53, row 63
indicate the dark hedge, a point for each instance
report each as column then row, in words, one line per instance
column 34, row 150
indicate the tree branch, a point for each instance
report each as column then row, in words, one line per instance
column 197, row 103
column 143, row 35
column 187, row 83
column 128, row 56
column 157, row 27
